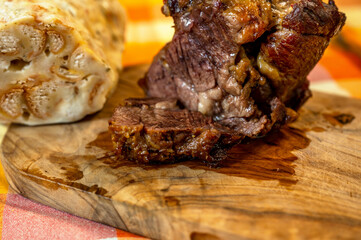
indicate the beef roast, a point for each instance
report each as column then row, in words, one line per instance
column 238, row 67
column 157, row 131
column 243, row 62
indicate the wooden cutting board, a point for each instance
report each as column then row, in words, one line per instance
column 303, row 182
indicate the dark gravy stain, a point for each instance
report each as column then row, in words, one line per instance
column 41, row 178
column 268, row 158
column 67, row 164
column 203, row 236
column 68, row 169
column 103, row 141
column 72, row 174
column 316, row 129
column 171, row 201
column 339, row 119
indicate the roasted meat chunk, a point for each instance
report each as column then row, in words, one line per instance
column 243, row 63
column 157, row 131
column 236, row 66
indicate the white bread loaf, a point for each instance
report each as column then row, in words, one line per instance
column 59, row 59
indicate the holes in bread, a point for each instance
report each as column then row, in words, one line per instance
column 76, row 91
column 47, row 52
column 18, row 65
column 26, row 115
column 115, row 38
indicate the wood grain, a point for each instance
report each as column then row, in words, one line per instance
column 303, row 182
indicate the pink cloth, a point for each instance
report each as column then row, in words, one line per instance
column 25, row 219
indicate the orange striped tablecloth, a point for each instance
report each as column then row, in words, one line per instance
column 338, row 72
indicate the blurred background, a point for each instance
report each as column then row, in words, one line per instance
column 147, row 30
column 338, row 72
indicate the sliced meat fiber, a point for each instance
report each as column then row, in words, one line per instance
column 157, row 131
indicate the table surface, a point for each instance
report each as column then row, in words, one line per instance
column 339, row 72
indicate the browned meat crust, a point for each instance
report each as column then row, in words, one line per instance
column 155, row 130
